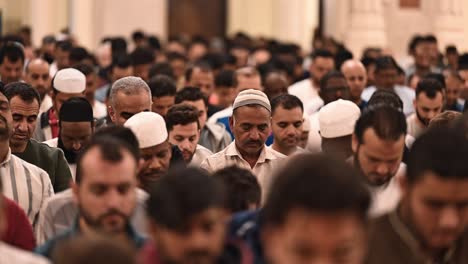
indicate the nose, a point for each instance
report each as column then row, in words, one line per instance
column 155, row 163
column 383, row 169
column 76, row 145
column 113, row 199
column 291, row 131
column 22, row 126
column 254, row 134
column 338, row 94
column 185, row 145
column 449, row 218
column 431, row 114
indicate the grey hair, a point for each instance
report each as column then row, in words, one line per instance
column 128, row 85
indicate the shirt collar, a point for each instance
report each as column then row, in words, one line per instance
column 133, row 235
column 265, row 155
column 7, row 158
column 410, row 239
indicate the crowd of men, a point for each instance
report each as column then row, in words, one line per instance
column 232, row 151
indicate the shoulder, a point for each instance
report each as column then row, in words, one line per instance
column 226, row 112
column 45, row 147
column 299, row 85
column 52, row 143
column 47, row 248
column 367, row 93
column 273, row 154
column 217, row 128
column 404, row 90
column 203, row 151
column 58, row 201
column 214, row 161
column 35, row 170
column 243, row 222
column 20, row 256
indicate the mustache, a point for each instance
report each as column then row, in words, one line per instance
column 112, row 212
column 197, row 254
column 152, row 174
column 256, row 142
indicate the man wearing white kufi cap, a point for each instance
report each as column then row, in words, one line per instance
column 67, row 83
column 337, row 120
column 251, row 126
column 156, row 152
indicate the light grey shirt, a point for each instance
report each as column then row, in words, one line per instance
column 60, row 212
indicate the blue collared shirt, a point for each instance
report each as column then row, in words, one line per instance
column 48, row 247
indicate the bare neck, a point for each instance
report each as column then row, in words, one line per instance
column 249, row 157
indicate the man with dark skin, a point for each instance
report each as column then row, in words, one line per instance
column 76, row 128
column 334, row 87
column 275, row 84
column 307, row 90
column 156, row 151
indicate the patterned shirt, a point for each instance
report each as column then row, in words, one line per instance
column 28, row 185
column 267, row 164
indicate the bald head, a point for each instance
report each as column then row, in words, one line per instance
column 37, row 75
column 35, row 63
column 352, row 64
column 356, row 76
column 275, row 84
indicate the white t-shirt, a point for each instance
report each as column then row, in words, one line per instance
column 308, row 94
column 415, row 128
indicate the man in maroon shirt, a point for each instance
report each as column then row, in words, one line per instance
column 18, row 231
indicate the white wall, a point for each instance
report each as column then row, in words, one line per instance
column 285, row 20
column 401, row 24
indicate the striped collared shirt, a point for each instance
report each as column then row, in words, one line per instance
column 28, row 185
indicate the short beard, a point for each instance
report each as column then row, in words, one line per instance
column 421, row 119
column 96, row 225
column 70, row 156
column 358, row 167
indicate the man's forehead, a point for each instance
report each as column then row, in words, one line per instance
column 191, row 128
column 38, row 66
column 156, row 149
column 293, row 113
column 75, row 125
column 324, row 61
column 447, row 188
column 372, row 140
column 17, row 62
column 94, row 158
